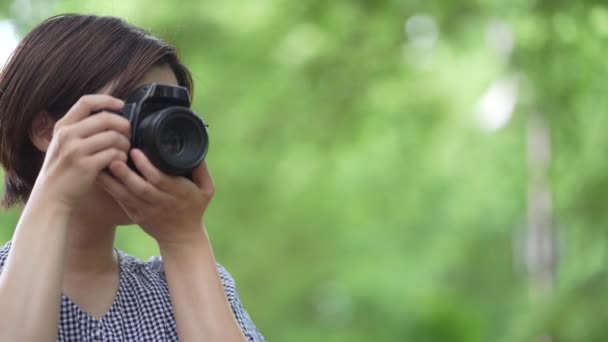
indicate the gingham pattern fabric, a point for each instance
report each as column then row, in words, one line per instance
column 141, row 310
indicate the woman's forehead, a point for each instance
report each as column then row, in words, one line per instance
column 162, row 74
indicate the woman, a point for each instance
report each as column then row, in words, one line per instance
column 61, row 278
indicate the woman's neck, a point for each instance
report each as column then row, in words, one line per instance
column 91, row 275
column 90, row 246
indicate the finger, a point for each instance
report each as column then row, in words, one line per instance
column 102, row 159
column 202, row 178
column 100, row 122
column 150, row 172
column 105, row 140
column 135, row 184
column 116, row 190
column 88, row 104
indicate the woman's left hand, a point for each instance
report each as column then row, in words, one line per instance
column 168, row 208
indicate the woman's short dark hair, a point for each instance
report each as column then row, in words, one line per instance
column 62, row 59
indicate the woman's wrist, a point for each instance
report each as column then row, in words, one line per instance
column 43, row 207
column 195, row 240
column 45, row 200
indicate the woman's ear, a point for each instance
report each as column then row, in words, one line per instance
column 41, row 131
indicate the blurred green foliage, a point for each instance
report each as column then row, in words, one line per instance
column 358, row 197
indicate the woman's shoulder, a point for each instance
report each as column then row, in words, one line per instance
column 149, row 274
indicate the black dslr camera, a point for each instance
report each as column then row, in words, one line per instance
column 173, row 137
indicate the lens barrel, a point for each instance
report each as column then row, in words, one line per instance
column 174, row 139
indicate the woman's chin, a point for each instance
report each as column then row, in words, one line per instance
column 124, row 221
column 118, row 215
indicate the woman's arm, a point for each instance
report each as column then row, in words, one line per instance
column 80, row 147
column 200, row 306
column 30, row 282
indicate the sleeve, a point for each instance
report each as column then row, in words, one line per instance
column 3, row 254
column 241, row 315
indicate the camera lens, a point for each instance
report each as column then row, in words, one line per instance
column 174, row 139
column 171, row 142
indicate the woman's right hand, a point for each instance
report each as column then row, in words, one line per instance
column 83, row 145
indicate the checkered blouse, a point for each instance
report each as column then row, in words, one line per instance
column 141, row 310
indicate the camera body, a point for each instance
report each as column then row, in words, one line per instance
column 173, row 137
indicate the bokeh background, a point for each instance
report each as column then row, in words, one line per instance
column 395, row 170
